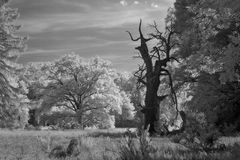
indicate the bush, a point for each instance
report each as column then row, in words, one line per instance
column 18, row 118
column 141, row 149
column 64, row 120
column 176, row 138
column 126, row 123
column 30, row 127
column 228, row 130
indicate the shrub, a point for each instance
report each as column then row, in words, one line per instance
column 141, row 149
column 30, row 127
column 60, row 120
column 228, row 130
column 176, row 138
column 17, row 119
column 58, row 152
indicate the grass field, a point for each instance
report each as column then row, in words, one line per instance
column 93, row 144
column 32, row 145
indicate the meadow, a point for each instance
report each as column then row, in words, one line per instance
column 94, row 144
column 100, row 144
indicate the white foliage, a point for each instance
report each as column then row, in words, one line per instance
column 85, row 87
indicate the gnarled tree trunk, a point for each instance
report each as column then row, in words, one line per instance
column 149, row 74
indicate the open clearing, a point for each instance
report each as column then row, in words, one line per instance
column 94, row 144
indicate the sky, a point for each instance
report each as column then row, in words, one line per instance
column 86, row 27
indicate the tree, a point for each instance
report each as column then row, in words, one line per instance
column 216, row 37
column 209, row 51
column 127, row 85
column 183, row 15
column 10, row 45
column 36, row 79
column 154, row 68
column 86, row 88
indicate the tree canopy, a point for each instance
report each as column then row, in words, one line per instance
column 209, row 53
column 86, row 88
column 10, row 45
column 192, row 67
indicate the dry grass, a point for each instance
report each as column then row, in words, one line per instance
column 31, row 145
column 93, row 144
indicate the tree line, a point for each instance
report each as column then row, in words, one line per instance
column 90, row 90
column 191, row 75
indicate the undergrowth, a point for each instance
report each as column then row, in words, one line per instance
column 131, row 146
column 141, row 148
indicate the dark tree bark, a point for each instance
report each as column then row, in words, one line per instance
column 150, row 74
column 33, row 117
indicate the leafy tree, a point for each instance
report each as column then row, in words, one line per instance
column 209, row 51
column 130, row 107
column 183, row 15
column 35, row 77
column 10, row 45
column 86, row 88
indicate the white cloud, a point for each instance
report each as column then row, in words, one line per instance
column 154, row 5
column 123, row 3
column 103, row 18
column 136, row 2
column 73, row 21
column 55, row 31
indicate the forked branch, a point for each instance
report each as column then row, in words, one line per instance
column 132, row 36
column 141, row 75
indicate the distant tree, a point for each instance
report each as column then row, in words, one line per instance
column 86, row 88
column 10, row 45
column 35, row 77
column 127, row 86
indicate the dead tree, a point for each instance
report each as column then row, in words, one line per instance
column 154, row 67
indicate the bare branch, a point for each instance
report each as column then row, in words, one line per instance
column 71, row 108
column 173, row 58
column 143, row 49
column 154, row 25
column 139, row 74
column 156, row 51
column 132, row 37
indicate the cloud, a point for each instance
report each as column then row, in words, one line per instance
column 100, row 19
column 154, row 5
column 123, row 3
column 136, row 2
column 87, row 27
column 54, row 15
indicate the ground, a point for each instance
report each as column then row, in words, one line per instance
column 94, row 144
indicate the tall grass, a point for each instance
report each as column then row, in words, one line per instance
column 143, row 149
column 28, row 145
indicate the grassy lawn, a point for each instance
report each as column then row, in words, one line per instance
column 93, row 144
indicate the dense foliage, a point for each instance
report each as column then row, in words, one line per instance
column 202, row 38
column 209, row 53
column 11, row 87
column 86, row 88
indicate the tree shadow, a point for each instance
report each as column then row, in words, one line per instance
column 112, row 134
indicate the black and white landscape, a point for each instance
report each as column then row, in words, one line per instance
column 120, row 79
